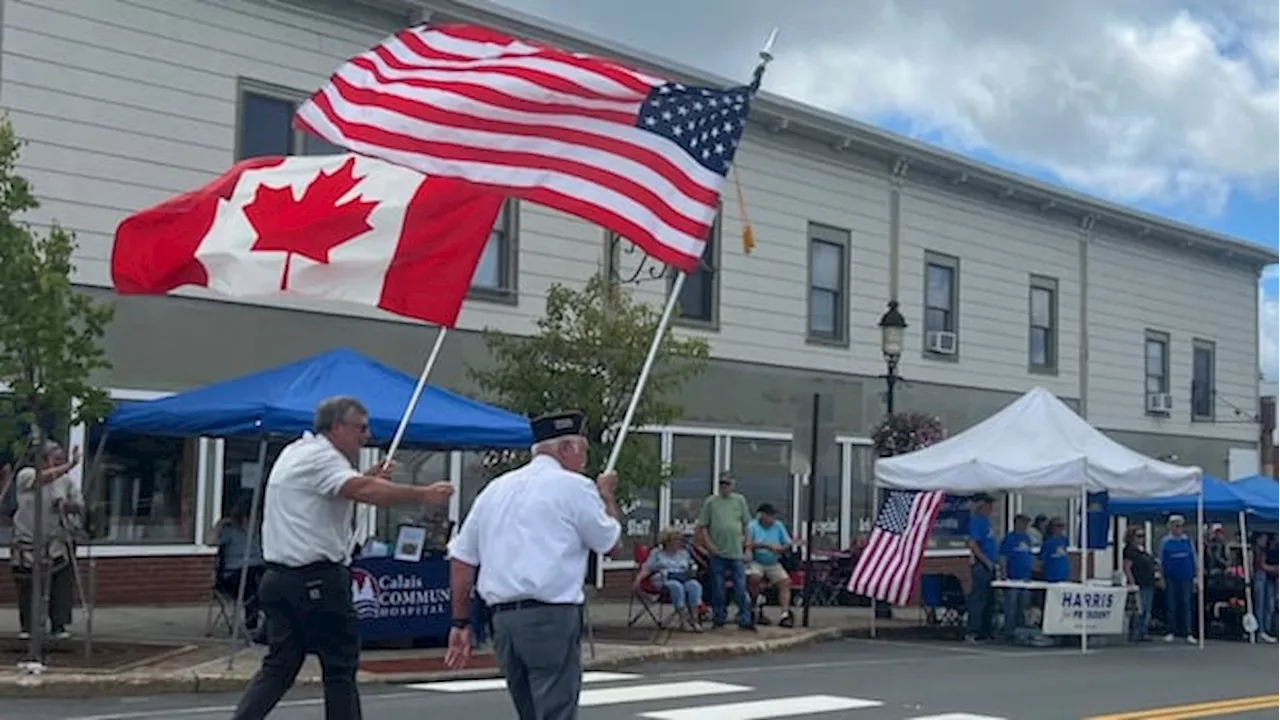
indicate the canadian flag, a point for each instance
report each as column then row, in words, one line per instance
column 339, row 227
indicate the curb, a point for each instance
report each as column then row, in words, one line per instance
column 80, row 686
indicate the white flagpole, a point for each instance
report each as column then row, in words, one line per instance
column 408, row 411
column 417, row 393
column 766, row 55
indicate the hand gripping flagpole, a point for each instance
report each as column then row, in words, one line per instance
column 414, row 398
column 766, row 56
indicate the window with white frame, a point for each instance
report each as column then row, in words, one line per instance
column 941, row 304
column 1043, row 331
column 418, row 467
column 829, row 496
column 640, row 516
column 693, row 468
column 762, row 473
column 1157, row 367
column 143, row 490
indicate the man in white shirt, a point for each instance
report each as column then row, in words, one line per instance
column 306, row 535
column 529, row 532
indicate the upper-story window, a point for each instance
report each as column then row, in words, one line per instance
column 941, row 306
column 828, row 284
column 1203, row 379
column 698, row 303
column 1042, row 333
column 497, row 272
column 1157, row 372
column 266, row 124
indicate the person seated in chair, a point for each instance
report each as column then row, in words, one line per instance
column 234, row 537
column 671, row 568
column 768, row 541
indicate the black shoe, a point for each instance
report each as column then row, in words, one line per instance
column 787, row 621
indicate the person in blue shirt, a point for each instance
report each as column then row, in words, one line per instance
column 982, row 548
column 1055, row 560
column 1015, row 556
column 768, row 540
column 1178, row 568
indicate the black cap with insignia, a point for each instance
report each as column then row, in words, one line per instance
column 560, row 424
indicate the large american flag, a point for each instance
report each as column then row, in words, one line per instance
column 888, row 567
column 640, row 156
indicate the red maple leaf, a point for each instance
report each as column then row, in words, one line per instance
column 312, row 225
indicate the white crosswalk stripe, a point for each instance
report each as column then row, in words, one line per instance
column 623, row 689
column 465, row 686
column 765, row 709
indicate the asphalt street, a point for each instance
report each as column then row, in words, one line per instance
column 854, row 679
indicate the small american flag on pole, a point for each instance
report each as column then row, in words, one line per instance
column 888, row 566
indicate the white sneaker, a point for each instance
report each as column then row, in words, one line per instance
column 24, row 635
column 1168, row 638
column 1266, row 638
column 1191, row 640
column 62, row 635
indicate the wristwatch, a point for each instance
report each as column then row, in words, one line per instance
column 461, row 623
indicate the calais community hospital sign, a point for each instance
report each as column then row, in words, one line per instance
column 1071, row 609
column 395, row 599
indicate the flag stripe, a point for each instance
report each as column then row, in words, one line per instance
column 561, row 188
column 550, row 136
column 888, row 566
column 563, row 129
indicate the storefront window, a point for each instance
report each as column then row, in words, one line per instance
column 640, row 516
column 144, row 490
column 241, row 474
column 12, row 455
column 692, row 465
column 826, row 528
column 762, row 469
column 474, row 477
column 862, row 505
column 413, row 467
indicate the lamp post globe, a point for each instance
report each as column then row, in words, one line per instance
column 893, row 329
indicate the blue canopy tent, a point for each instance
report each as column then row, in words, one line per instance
column 1220, row 498
column 1253, row 497
column 1262, row 490
column 282, row 401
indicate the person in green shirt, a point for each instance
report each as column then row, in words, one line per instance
column 722, row 533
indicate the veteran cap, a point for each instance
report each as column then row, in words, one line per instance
column 559, row 424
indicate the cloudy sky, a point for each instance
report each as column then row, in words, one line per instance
column 1170, row 105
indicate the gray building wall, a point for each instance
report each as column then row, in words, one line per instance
column 174, row 343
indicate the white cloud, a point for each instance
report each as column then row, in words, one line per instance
column 1172, row 101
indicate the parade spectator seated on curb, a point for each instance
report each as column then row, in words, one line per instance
column 768, row 540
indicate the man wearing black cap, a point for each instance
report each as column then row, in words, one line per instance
column 529, row 532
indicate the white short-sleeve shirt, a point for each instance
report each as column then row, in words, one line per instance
column 530, row 532
column 304, row 519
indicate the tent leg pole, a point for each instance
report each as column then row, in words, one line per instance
column 1084, row 560
column 1200, row 564
column 238, row 621
column 875, row 510
column 1248, row 576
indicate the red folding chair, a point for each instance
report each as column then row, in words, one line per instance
column 650, row 598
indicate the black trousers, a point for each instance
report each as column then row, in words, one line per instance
column 59, row 587
column 308, row 610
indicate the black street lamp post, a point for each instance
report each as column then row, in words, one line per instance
column 893, row 329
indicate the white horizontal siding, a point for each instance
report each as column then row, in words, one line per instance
column 998, row 252
column 1135, row 287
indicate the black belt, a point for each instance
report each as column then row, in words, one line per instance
column 319, row 565
column 523, row 604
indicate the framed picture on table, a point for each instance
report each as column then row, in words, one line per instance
column 411, row 541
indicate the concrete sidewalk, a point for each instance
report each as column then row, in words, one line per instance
column 198, row 663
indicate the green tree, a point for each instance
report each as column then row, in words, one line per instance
column 50, row 334
column 586, row 355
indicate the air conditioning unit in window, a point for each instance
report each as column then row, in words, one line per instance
column 1159, row 402
column 940, row 342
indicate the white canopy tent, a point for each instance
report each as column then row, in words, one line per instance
column 1038, row 444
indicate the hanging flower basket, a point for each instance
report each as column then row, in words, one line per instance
column 901, row 433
